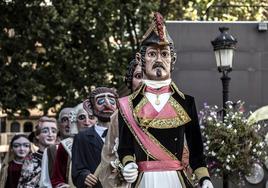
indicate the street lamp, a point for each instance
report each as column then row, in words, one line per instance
column 224, row 46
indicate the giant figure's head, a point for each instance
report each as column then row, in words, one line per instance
column 46, row 131
column 81, row 118
column 102, row 100
column 157, row 51
column 133, row 77
column 84, row 118
column 64, row 122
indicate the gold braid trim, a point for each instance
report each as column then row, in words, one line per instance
column 174, row 87
column 182, row 117
column 143, row 102
column 146, row 132
column 181, row 179
column 127, row 158
column 135, row 93
column 130, row 127
column 148, row 32
column 130, row 98
column 201, row 172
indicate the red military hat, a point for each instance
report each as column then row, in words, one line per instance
column 157, row 32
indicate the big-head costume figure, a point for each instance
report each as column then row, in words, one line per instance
column 109, row 170
column 87, row 144
column 154, row 120
column 80, row 120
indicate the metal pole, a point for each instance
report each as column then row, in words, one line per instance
column 225, row 96
column 225, row 90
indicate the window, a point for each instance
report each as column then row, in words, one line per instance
column 28, row 126
column 15, row 127
column 2, row 125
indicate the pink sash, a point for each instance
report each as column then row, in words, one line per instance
column 151, row 147
column 152, row 166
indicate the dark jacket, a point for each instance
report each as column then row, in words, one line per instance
column 86, row 156
column 171, row 138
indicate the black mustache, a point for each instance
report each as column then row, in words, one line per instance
column 158, row 64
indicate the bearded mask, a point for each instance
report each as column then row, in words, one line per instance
column 103, row 101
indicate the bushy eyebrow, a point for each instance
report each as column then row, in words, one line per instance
column 44, row 128
column 100, row 96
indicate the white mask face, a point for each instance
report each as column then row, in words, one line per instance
column 64, row 123
column 21, row 147
column 48, row 134
column 84, row 119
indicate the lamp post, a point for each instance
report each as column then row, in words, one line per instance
column 224, row 46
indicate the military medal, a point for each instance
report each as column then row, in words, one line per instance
column 158, row 92
column 157, row 102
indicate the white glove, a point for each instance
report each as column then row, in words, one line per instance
column 207, row 184
column 130, row 172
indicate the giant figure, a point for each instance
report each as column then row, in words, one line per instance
column 154, row 120
column 109, row 171
column 80, row 120
column 87, row 144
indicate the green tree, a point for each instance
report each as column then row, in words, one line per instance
column 52, row 52
column 218, row 10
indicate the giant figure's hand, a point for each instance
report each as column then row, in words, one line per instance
column 207, row 184
column 130, row 172
column 91, row 180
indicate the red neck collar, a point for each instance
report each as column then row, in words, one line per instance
column 158, row 91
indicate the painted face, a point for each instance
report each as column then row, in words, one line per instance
column 105, row 105
column 21, row 147
column 64, row 125
column 84, row 119
column 48, row 134
column 157, row 62
column 137, row 77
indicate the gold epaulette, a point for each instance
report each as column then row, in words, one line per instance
column 127, row 158
column 174, row 87
column 201, row 172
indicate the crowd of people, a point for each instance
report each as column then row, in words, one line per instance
column 149, row 139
